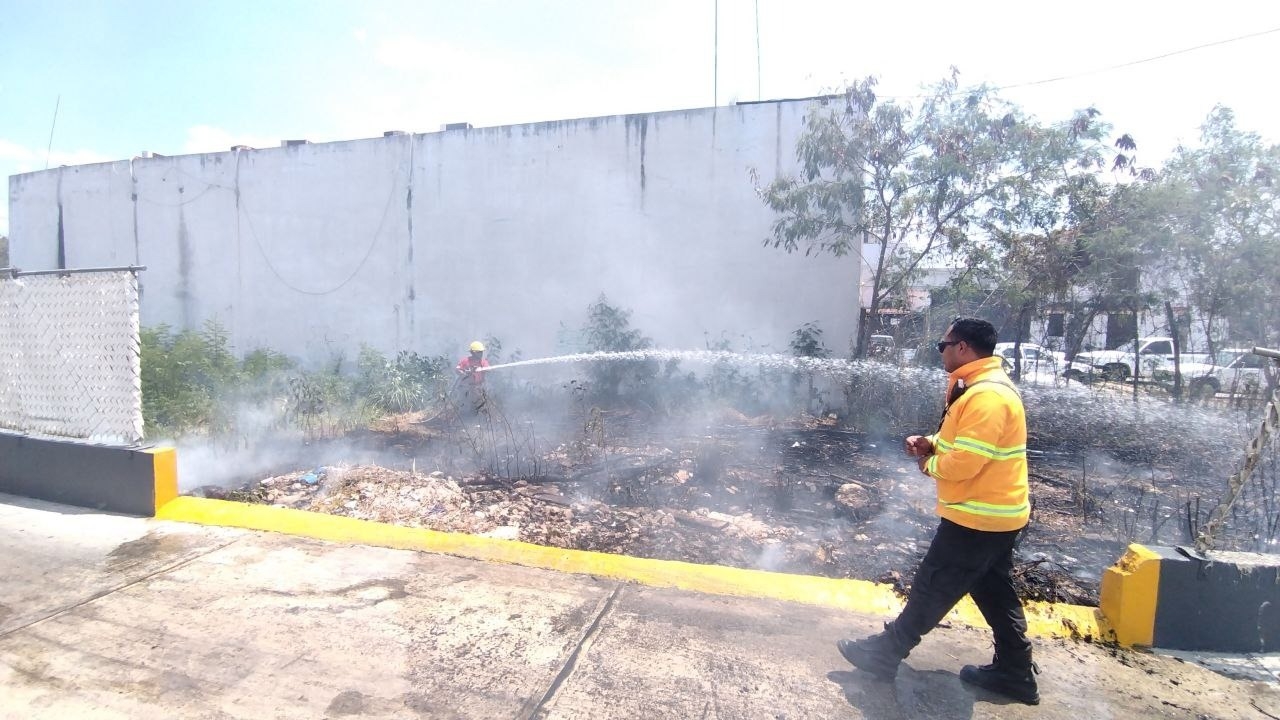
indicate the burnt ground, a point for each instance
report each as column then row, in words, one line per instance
column 804, row 496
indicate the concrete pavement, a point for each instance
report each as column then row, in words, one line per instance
column 105, row 616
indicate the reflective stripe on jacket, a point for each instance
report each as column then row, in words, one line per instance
column 980, row 451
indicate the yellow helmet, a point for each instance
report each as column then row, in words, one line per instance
column 477, row 346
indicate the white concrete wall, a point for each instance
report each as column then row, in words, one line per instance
column 425, row 242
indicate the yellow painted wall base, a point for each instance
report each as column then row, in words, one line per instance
column 165, row 469
column 1043, row 619
column 1129, row 593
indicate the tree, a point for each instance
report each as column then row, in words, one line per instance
column 1038, row 239
column 608, row 329
column 1225, row 228
column 4, row 251
column 909, row 177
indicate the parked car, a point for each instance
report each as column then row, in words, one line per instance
column 1247, row 372
column 1035, row 358
column 1153, row 355
column 1238, row 372
column 881, row 345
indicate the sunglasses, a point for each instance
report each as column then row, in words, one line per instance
column 944, row 344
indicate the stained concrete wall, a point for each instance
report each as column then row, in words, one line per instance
column 425, row 242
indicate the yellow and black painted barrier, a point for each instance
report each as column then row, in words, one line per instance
column 1178, row 599
column 133, row 481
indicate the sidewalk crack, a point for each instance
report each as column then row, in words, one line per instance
column 527, row 713
column 117, row 588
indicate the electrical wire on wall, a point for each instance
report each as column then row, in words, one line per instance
column 373, row 243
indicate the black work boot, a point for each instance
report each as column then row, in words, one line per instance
column 1015, row 680
column 879, row 654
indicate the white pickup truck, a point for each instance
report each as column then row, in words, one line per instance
column 1238, row 372
column 1154, row 355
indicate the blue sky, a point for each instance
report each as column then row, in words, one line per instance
column 198, row 76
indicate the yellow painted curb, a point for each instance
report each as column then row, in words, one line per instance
column 1043, row 619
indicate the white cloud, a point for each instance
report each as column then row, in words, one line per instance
column 422, row 83
column 15, row 158
column 206, row 138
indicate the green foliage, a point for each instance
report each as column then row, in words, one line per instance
column 727, row 381
column 4, row 251
column 313, row 395
column 193, row 383
column 410, row 382
column 268, row 365
column 1059, row 232
column 191, row 380
column 892, row 404
column 608, row 329
column 806, row 341
column 962, row 178
column 1223, row 209
column 914, row 178
column 326, row 403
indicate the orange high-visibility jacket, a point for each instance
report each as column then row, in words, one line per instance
column 980, row 451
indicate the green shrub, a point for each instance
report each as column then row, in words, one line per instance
column 182, row 375
column 192, row 383
column 608, row 329
column 806, row 341
column 410, row 382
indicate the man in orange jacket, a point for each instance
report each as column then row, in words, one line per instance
column 978, row 460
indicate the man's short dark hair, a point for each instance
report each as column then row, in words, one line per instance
column 979, row 334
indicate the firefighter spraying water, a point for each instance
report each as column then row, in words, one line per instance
column 470, row 382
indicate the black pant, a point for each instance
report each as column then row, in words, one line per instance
column 963, row 562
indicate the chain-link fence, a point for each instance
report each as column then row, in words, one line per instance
column 69, row 354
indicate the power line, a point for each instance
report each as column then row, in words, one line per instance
column 1109, row 68
column 1143, row 60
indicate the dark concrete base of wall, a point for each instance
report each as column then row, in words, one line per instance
column 1162, row 597
column 115, row 479
column 1230, row 604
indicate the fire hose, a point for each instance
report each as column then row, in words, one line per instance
column 1253, row 453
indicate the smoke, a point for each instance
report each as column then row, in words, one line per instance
column 1078, row 419
column 702, row 415
column 260, row 443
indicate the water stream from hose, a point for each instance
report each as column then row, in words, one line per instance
column 821, row 366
